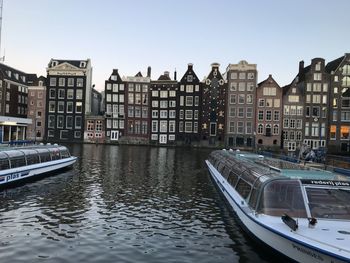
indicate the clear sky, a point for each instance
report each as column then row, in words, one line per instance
column 133, row 34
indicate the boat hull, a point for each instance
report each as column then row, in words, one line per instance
column 15, row 176
column 281, row 242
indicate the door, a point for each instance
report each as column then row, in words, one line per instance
column 114, row 135
column 163, row 139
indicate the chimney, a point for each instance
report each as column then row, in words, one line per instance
column 215, row 65
column 149, row 72
column 301, row 66
column 166, row 73
column 190, row 66
column 175, row 74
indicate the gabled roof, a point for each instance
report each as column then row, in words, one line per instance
column 333, row 65
column 190, row 71
column 215, row 69
column 139, row 74
column 270, row 79
column 115, row 73
column 164, row 77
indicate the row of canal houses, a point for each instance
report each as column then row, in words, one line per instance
column 224, row 109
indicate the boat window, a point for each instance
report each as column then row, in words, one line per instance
column 254, row 197
column 55, row 153
column 4, row 162
column 64, row 152
column 332, row 203
column 17, row 159
column 31, row 156
column 232, row 179
column 44, row 155
column 243, row 188
column 226, row 172
column 282, row 196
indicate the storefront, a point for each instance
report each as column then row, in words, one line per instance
column 13, row 129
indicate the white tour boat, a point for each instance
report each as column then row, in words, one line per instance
column 302, row 213
column 20, row 164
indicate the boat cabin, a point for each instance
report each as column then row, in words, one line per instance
column 31, row 155
column 277, row 187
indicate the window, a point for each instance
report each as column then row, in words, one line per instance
column 189, row 100
column 188, row 114
column 268, row 102
column 52, row 106
column 317, row 76
column 189, row 88
column 163, row 104
column 163, row 126
column 59, row 121
column 292, row 124
column 335, row 115
column 241, row 86
column 78, row 122
column 345, row 115
column 249, row 99
column 276, row 103
column 261, row 103
column 344, row 132
column 248, row 128
column 196, row 100
column 316, row 99
column 60, row 106
column 79, row 107
column 163, row 93
column 315, row 129
column 61, row 82
column 172, row 114
column 315, row 111
column 163, row 114
column 70, row 94
column 61, row 93
column 276, row 115
column 52, row 81
column 242, row 75
column 232, row 112
column 240, row 127
column 172, row 93
column 260, row 115
column 181, row 115
column 275, row 129
column 268, row 115
column 293, row 98
column 240, row 112
column 154, row 114
column 69, row 122
column 333, row 132
column 269, row 91
column 260, row 129
column 307, row 129
column 80, row 82
column 188, row 126
column 233, row 86
column 155, row 93
column 115, row 87
column 249, row 112
column 250, row 86
column 79, row 94
column 51, row 121
column 299, row 124
column 233, row 75
column 285, row 123
column 231, row 126
column 171, row 126
column 196, row 114
column 232, row 99
column 241, row 98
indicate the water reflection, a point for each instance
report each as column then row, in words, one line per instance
column 123, row 204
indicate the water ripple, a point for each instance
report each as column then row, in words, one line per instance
column 123, row 204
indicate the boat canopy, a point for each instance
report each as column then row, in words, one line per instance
column 18, row 157
column 268, row 185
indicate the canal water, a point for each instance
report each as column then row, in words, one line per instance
column 124, row 204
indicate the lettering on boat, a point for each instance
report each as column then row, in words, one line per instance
column 326, row 182
column 308, row 252
column 15, row 176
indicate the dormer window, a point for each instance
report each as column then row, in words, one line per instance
column 318, row 66
column 23, row 78
column 9, row 73
column 54, row 63
column 40, row 83
column 82, row 64
column 114, row 77
column 16, row 75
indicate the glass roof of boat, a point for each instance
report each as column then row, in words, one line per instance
column 286, row 168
